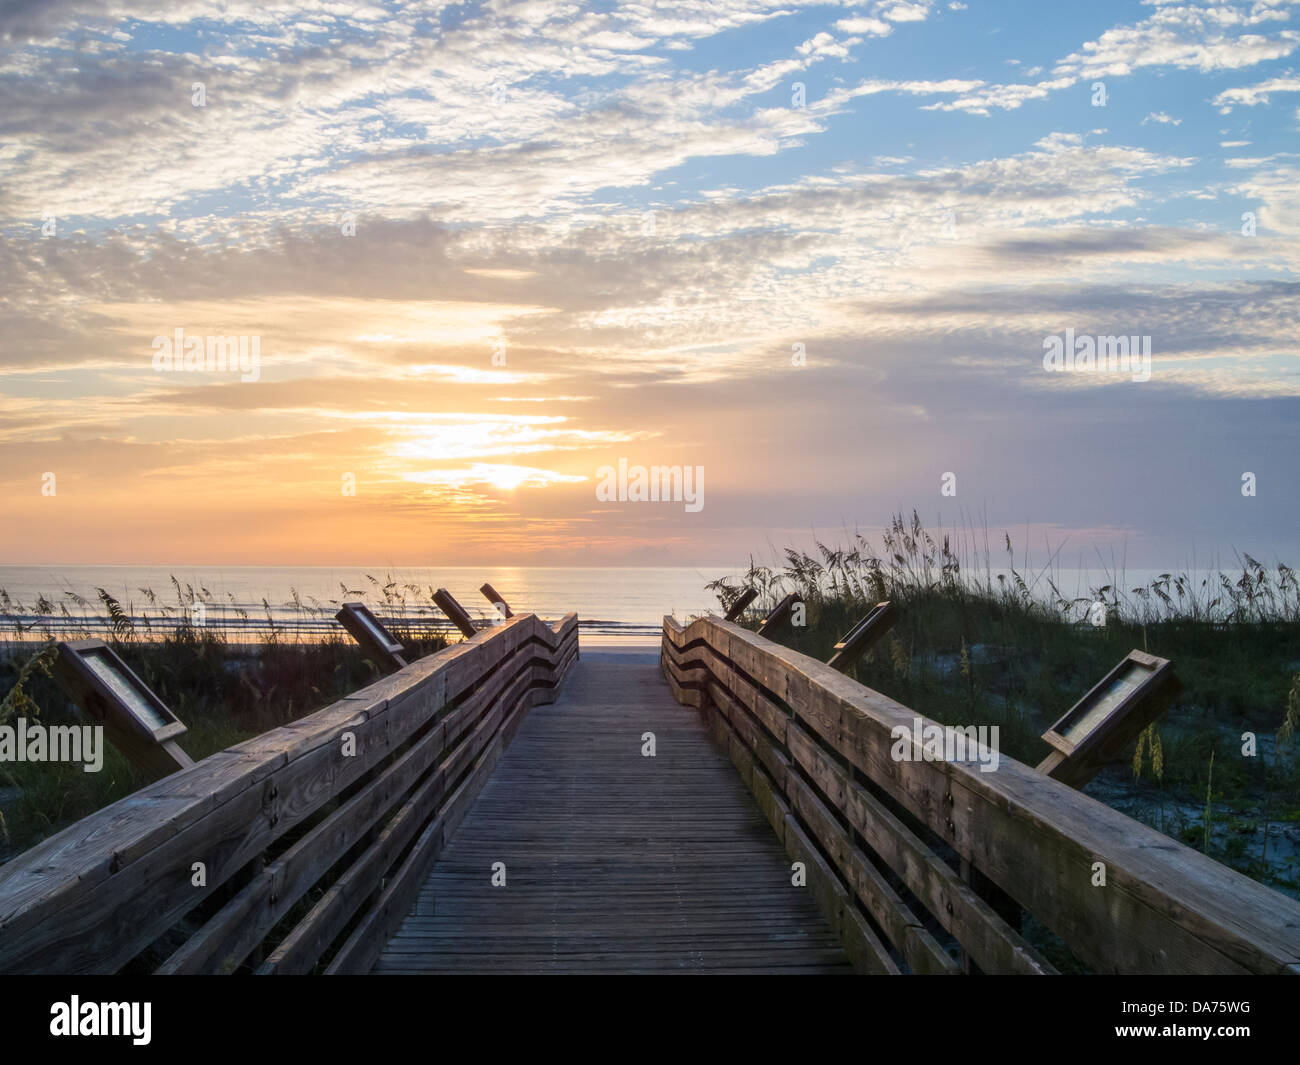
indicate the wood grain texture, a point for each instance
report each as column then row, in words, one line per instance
column 92, row 897
column 952, row 903
column 615, row 862
column 1164, row 909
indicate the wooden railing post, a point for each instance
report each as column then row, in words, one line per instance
column 378, row 644
column 494, row 597
column 108, row 692
column 780, row 616
column 742, row 601
column 457, row 613
column 863, row 636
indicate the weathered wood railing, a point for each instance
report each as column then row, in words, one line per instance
column 874, row 832
column 298, row 850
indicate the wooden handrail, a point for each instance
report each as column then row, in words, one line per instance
column 815, row 748
column 194, row 873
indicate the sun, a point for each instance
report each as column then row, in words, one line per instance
column 504, row 477
column 508, row 478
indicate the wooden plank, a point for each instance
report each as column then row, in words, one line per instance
column 979, row 929
column 312, row 936
column 1165, row 908
column 703, row 666
column 861, row 943
column 223, row 942
column 913, row 941
column 765, row 749
column 365, row 944
column 615, row 862
column 494, row 597
column 909, row 936
column 781, row 615
column 865, row 950
column 740, row 603
column 459, row 616
column 118, row 879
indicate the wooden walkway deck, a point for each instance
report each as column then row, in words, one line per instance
column 362, row 838
column 614, row 862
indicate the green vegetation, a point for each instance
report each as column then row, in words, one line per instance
column 224, row 693
column 975, row 644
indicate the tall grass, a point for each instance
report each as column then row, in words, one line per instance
column 224, row 692
column 959, row 566
column 416, row 619
column 981, row 643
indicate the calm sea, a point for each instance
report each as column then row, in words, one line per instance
column 608, row 601
column 301, row 600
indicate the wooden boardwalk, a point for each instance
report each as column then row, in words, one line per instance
column 363, row 837
column 614, row 862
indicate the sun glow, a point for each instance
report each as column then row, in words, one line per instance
column 506, row 478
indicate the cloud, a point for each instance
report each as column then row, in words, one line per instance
column 1176, row 36
column 914, row 88
column 496, row 475
column 1252, row 95
column 869, row 27
column 628, row 201
column 353, row 125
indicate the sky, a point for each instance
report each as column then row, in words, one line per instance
column 811, row 252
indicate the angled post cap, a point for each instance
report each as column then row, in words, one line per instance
column 780, row 616
column 742, row 601
column 378, row 644
column 457, row 613
column 863, row 636
column 494, row 597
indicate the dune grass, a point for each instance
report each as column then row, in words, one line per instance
column 147, row 615
column 224, row 693
column 983, row 644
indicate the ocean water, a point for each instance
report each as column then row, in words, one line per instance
column 624, row 601
column 300, row 601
